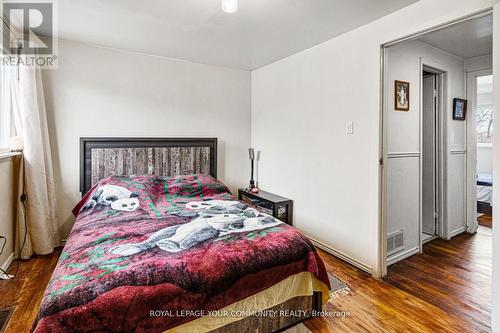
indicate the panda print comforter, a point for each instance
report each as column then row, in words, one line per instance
column 181, row 244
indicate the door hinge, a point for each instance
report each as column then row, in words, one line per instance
column 435, row 93
column 381, row 161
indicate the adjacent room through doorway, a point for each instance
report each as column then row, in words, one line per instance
column 438, row 130
column 483, row 108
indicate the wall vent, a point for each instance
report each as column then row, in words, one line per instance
column 395, row 242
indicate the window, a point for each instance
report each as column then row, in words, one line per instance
column 4, row 116
column 484, row 109
column 7, row 118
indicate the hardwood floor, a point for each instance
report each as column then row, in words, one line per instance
column 485, row 220
column 25, row 291
column 454, row 275
column 447, row 288
column 444, row 289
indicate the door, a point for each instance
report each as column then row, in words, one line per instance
column 479, row 143
column 483, row 107
column 429, row 108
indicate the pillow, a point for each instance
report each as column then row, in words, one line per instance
column 124, row 189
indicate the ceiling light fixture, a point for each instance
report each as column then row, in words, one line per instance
column 230, row 6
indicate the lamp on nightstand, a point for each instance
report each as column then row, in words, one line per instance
column 251, row 154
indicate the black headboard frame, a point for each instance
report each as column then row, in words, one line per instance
column 102, row 157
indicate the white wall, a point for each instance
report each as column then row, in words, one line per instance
column 480, row 63
column 300, row 109
column 7, row 217
column 105, row 92
column 496, row 172
column 485, row 159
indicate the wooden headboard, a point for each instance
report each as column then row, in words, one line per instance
column 104, row 157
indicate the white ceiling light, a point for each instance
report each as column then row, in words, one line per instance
column 230, row 6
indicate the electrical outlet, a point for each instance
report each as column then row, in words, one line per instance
column 350, row 127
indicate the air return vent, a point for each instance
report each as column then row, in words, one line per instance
column 395, row 242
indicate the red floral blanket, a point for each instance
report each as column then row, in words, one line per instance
column 181, row 244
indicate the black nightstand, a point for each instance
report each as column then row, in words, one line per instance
column 279, row 207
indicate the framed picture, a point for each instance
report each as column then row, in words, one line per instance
column 459, row 108
column 401, row 95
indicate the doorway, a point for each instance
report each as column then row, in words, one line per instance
column 430, row 150
column 433, row 216
column 429, row 184
column 482, row 109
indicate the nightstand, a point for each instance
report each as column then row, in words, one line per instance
column 272, row 204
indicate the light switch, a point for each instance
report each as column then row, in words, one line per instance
column 350, row 127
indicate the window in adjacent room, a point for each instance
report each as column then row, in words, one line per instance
column 484, row 109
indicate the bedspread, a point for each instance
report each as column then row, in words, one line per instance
column 182, row 245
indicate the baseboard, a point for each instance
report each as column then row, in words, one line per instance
column 402, row 255
column 429, row 239
column 341, row 256
column 456, row 232
column 8, row 261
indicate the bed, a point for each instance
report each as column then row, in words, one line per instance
column 484, row 193
column 172, row 250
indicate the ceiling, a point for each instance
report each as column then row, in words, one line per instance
column 261, row 32
column 467, row 40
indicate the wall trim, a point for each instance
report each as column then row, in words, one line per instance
column 356, row 263
column 429, row 239
column 403, row 255
column 403, row 154
column 8, row 262
column 458, row 231
column 8, row 155
column 458, row 151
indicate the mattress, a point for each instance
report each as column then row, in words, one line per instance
column 181, row 247
column 485, row 194
column 301, row 284
column 485, row 179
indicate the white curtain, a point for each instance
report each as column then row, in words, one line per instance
column 8, row 99
column 37, row 179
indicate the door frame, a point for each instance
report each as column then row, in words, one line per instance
column 471, row 87
column 382, row 223
column 440, row 153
